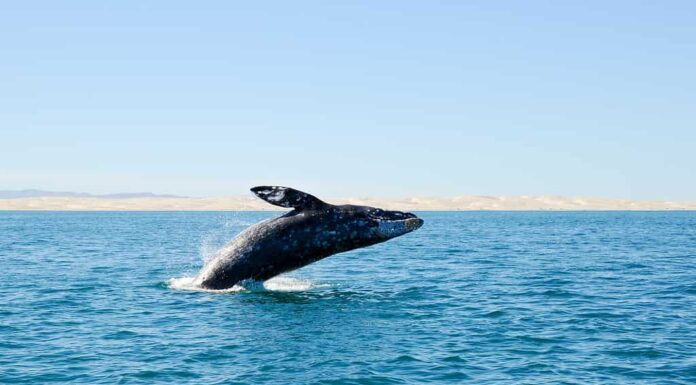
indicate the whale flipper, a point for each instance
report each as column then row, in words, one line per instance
column 287, row 197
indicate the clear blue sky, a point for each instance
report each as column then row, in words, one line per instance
column 366, row 98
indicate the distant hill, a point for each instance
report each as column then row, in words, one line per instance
column 152, row 202
column 33, row 193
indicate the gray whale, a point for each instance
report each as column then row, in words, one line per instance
column 311, row 231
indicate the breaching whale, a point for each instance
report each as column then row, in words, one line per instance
column 311, row 231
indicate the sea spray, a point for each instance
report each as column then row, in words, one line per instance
column 215, row 239
column 276, row 284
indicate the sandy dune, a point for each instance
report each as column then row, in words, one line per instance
column 239, row 203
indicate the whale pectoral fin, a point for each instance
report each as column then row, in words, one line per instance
column 287, row 197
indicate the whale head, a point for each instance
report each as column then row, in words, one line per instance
column 381, row 225
column 344, row 226
column 341, row 228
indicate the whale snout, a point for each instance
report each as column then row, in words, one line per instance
column 413, row 223
column 394, row 228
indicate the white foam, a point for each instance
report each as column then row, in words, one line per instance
column 283, row 283
column 276, row 284
column 187, row 283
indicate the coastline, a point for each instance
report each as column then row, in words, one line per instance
column 242, row 203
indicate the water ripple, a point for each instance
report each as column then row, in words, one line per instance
column 472, row 297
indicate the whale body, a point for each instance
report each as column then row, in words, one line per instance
column 313, row 230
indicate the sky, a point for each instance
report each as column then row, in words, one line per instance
column 350, row 98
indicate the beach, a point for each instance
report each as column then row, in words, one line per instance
column 249, row 203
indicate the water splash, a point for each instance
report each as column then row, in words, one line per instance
column 285, row 283
column 188, row 283
column 214, row 240
column 276, row 284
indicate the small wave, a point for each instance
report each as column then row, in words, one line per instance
column 280, row 284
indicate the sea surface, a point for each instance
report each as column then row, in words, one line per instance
column 470, row 298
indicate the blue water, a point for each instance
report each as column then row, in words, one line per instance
column 470, row 298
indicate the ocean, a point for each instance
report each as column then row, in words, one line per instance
column 470, row 298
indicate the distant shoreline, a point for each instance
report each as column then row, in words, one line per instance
column 243, row 203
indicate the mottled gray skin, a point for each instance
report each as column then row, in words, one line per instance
column 311, row 231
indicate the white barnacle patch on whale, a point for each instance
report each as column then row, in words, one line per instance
column 277, row 196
